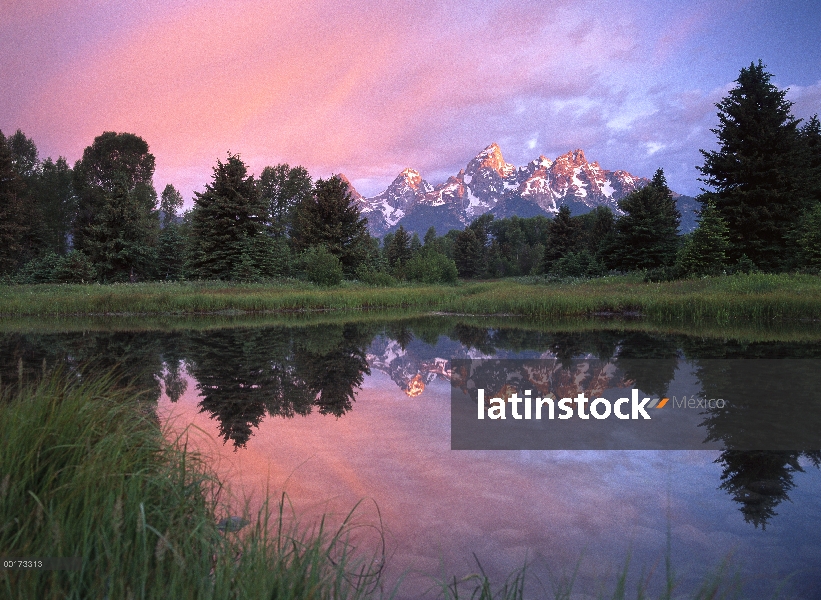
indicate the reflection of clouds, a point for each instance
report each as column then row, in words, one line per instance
column 553, row 508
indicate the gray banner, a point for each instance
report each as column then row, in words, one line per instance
column 636, row 404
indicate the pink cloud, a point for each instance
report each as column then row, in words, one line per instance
column 359, row 88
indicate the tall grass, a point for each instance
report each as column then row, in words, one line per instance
column 739, row 298
column 84, row 472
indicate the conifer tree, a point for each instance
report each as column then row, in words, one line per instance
column 171, row 246
column 467, row 253
column 562, row 237
column 225, row 220
column 399, row 249
column 647, row 234
column 57, row 204
column 705, row 253
column 330, row 217
column 757, row 175
column 13, row 227
column 116, row 224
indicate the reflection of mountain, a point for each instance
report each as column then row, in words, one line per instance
column 412, row 368
column 546, row 377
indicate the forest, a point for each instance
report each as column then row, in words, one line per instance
column 103, row 221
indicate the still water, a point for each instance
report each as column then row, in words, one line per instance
column 340, row 413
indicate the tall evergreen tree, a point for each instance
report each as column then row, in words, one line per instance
column 225, row 221
column 467, row 253
column 13, row 226
column 26, row 162
column 282, row 188
column 705, row 253
column 57, row 204
column 563, row 236
column 171, row 245
column 647, row 234
column 757, row 174
column 116, row 224
column 331, row 218
column 399, row 249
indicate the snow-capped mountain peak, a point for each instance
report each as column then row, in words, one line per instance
column 489, row 184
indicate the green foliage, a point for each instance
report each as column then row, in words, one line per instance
column 429, row 266
column 646, row 237
column 39, row 270
column 74, row 267
column 171, row 242
column 321, row 267
column 116, row 224
column 578, row 264
column 57, row 204
column 121, row 241
column 563, row 237
column 13, row 226
column 809, row 238
column 705, row 251
column 282, row 188
column 398, row 251
column 86, row 472
column 375, row 278
column 517, row 246
column 263, row 257
column 467, row 253
column 170, row 202
column 225, row 222
column 331, row 218
column 759, row 174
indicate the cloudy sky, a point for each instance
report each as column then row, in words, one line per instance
column 368, row 87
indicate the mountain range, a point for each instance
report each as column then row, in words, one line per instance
column 489, row 184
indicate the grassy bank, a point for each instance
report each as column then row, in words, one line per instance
column 723, row 300
column 742, row 331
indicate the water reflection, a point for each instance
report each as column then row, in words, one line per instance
column 245, row 375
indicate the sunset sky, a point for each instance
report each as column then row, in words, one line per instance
column 367, row 88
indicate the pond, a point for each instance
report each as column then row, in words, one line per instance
column 340, row 412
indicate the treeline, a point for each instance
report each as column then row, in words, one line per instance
column 102, row 220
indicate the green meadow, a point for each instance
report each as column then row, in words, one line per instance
column 758, row 298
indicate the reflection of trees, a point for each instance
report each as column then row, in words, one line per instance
column 768, row 422
column 331, row 361
column 244, row 374
column 131, row 357
column 649, row 360
column 759, row 480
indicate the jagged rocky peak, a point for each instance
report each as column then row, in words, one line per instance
column 570, row 160
column 351, row 189
column 409, row 177
column 491, row 157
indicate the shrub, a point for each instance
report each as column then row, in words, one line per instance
column 429, row 266
column 74, row 267
column 321, row 267
column 578, row 264
column 375, row 278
